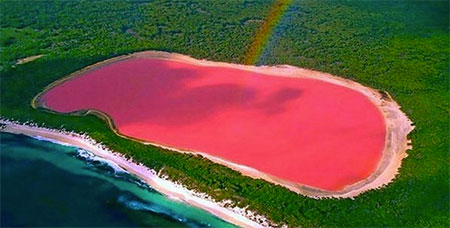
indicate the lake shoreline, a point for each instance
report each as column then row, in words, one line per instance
column 236, row 216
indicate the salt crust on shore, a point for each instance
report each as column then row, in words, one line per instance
column 235, row 215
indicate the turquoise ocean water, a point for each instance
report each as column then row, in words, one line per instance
column 47, row 184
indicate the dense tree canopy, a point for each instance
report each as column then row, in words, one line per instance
column 401, row 47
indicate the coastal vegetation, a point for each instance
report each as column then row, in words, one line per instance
column 401, row 47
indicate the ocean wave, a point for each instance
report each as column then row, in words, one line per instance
column 87, row 156
column 40, row 138
column 110, row 168
column 98, row 161
column 136, row 204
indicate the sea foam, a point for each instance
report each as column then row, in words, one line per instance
column 90, row 157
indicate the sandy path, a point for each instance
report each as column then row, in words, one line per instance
column 166, row 187
column 398, row 125
column 28, row 59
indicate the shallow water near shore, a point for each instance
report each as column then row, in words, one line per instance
column 47, row 184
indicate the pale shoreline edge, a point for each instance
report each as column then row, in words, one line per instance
column 237, row 216
column 398, row 125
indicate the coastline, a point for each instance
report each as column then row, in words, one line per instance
column 398, row 126
column 237, row 216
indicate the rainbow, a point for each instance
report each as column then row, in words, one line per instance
column 266, row 30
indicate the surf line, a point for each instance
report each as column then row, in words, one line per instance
column 235, row 215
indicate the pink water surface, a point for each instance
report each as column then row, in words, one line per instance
column 302, row 130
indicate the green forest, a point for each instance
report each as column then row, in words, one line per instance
column 401, row 47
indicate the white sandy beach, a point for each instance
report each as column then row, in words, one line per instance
column 237, row 216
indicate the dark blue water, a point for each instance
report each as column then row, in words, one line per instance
column 46, row 184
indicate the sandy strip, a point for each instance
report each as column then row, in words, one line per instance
column 28, row 59
column 398, row 126
column 237, row 216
